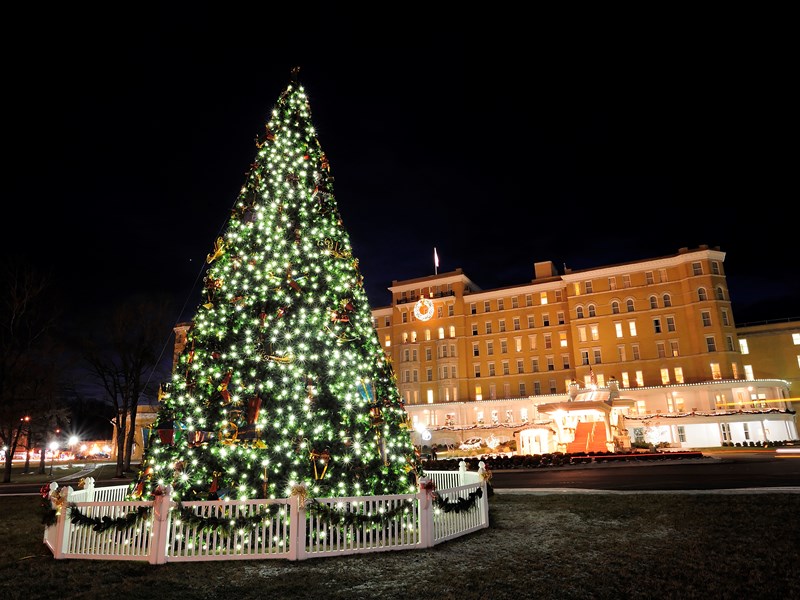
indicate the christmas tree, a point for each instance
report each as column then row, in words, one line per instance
column 283, row 381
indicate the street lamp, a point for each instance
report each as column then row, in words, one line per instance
column 53, row 448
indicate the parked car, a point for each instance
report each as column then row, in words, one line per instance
column 471, row 443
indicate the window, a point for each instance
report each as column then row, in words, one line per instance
column 720, row 293
column 612, row 283
column 473, row 309
column 729, row 343
column 681, row 433
column 626, row 281
column 413, row 337
column 489, row 348
column 639, row 379
column 562, row 339
column 476, row 370
column 582, row 334
column 387, row 321
column 635, row 350
column 667, row 300
column 553, row 389
column 584, row 357
column 726, row 431
column 428, row 374
column 451, row 310
column 516, row 324
column 743, row 348
column 665, row 381
column 711, row 345
column 488, row 327
column 662, row 275
column 588, row 286
column 595, row 332
column 506, row 370
column 705, row 316
column 476, row 349
column 501, row 325
column 597, row 356
column 503, row 346
column 657, row 325
column 629, row 305
column 501, row 304
column 404, row 318
column 528, row 300
column 653, row 302
column 478, row 396
column 531, row 323
column 725, row 319
column 452, row 331
column 518, row 344
column 746, row 429
column 522, row 391
column 427, row 335
column 558, row 295
column 697, row 268
column 537, row 388
column 515, row 302
column 592, row 310
column 474, row 329
column 661, row 350
column 534, row 365
column 560, row 318
column 487, row 306
column 532, row 342
column 702, row 296
column 548, row 341
column 673, row 348
column 546, row 320
column 428, row 354
column 715, row 267
column 615, row 307
column 565, row 361
column 670, row 324
column 491, row 369
column 520, row 366
column 678, row 375
column 648, row 278
column 621, row 354
column 543, row 298
column 387, row 341
column 796, row 339
column 579, row 312
column 632, row 328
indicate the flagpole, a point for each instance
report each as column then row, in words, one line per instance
column 435, row 262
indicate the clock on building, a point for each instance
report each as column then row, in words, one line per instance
column 423, row 309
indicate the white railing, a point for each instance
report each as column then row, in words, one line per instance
column 97, row 523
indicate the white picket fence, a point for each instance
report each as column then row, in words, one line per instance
column 281, row 528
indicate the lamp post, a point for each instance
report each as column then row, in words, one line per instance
column 27, row 420
column 53, row 448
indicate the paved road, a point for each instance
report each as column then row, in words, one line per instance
column 718, row 471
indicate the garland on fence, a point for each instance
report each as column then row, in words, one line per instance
column 227, row 525
column 49, row 513
column 459, row 504
column 339, row 517
column 122, row 523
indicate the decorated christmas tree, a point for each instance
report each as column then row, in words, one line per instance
column 283, row 381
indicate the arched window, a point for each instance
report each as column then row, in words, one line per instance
column 579, row 312
column 615, row 307
column 629, row 304
column 667, row 299
column 720, row 293
column 701, row 294
column 592, row 311
column 653, row 302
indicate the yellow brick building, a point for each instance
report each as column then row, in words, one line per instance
column 661, row 331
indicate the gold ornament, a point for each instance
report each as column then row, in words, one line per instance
column 301, row 492
column 219, row 250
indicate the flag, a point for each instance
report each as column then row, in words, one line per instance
column 435, row 259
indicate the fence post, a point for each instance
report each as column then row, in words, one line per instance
column 160, row 529
column 59, row 501
column 424, row 497
column 297, row 526
column 483, row 476
column 462, row 473
column 88, row 486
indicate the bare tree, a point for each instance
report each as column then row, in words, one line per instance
column 124, row 359
column 27, row 317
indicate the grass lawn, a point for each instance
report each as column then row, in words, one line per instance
column 559, row 546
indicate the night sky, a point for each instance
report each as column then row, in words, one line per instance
column 500, row 139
